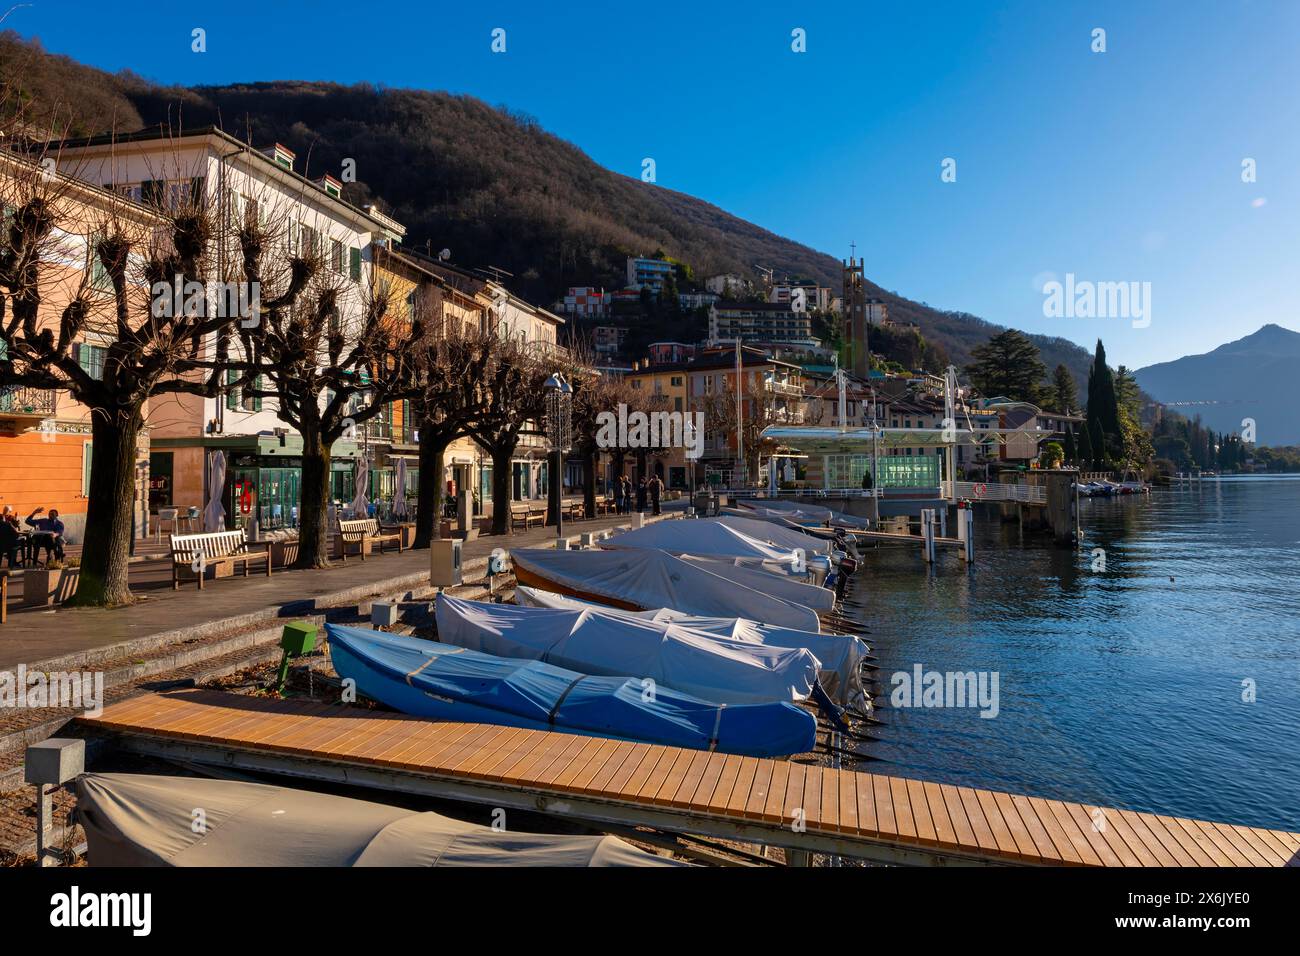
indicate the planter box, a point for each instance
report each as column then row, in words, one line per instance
column 43, row 588
column 284, row 553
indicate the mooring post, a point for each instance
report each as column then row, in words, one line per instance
column 943, row 520
column 967, row 518
column 50, row 764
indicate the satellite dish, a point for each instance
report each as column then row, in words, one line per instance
column 444, row 255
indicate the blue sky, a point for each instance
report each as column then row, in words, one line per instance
column 1122, row 166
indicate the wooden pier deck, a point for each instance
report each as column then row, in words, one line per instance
column 780, row 803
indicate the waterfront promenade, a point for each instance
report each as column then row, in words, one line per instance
column 78, row 638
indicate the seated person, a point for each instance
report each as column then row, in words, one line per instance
column 48, row 534
column 13, row 543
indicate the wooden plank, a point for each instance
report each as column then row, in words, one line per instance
column 1065, row 850
column 594, row 749
column 830, row 812
column 957, row 815
column 759, row 791
column 984, row 834
column 593, row 753
column 1166, row 840
column 1152, row 843
column 920, row 807
column 945, row 835
column 901, row 801
column 1079, row 841
column 599, row 780
column 848, row 802
column 694, row 776
column 774, row 806
column 792, row 801
column 865, row 792
column 743, row 787
column 1002, row 830
column 676, row 774
column 716, row 802
column 812, row 796
column 886, row 823
column 1037, row 832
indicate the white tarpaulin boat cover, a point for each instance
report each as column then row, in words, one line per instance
column 594, row 640
column 706, row 537
column 841, row 657
column 777, row 534
column 142, row 820
column 761, row 578
column 653, row 579
column 802, row 512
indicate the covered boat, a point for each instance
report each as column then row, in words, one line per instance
column 447, row 682
column 803, row 513
column 778, row 534
column 594, row 640
column 706, row 537
column 820, row 599
column 642, row 579
column 142, row 820
column 841, row 657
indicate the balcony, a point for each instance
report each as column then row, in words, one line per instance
column 22, row 402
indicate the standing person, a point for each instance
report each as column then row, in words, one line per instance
column 627, row 495
column 619, row 499
column 656, row 493
column 641, row 494
column 48, row 534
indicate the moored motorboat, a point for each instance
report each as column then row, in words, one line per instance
column 447, row 682
column 595, row 640
column 842, row 657
column 644, row 579
column 145, row 820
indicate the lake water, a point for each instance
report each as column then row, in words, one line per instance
column 1121, row 687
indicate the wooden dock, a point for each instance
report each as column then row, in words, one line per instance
column 779, row 803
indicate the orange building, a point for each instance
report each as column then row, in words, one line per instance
column 45, row 436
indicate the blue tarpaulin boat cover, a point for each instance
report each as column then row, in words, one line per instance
column 444, row 682
column 841, row 656
column 595, row 640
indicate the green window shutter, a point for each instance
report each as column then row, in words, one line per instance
column 232, row 394
column 257, row 401
column 355, row 264
column 87, row 456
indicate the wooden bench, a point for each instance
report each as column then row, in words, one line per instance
column 525, row 515
column 364, row 532
column 211, row 550
column 574, row 511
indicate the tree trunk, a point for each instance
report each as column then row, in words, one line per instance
column 313, row 514
column 501, row 489
column 106, row 551
column 433, row 464
column 589, row 482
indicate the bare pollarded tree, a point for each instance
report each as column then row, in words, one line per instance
column 511, row 402
column 81, row 265
column 331, row 352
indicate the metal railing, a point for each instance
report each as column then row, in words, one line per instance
column 993, row 491
column 20, row 400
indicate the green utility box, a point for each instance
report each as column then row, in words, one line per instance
column 299, row 637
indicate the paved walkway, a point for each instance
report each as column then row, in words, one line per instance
column 85, row 635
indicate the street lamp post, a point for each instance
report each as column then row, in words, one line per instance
column 559, row 432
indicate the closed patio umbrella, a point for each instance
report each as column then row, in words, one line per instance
column 399, row 489
column 214, row 515
column 361, row 481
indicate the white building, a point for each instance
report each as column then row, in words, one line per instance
column 249, row 184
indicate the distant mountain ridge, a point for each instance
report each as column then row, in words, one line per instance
column 1254, row 377
column 487, row 183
